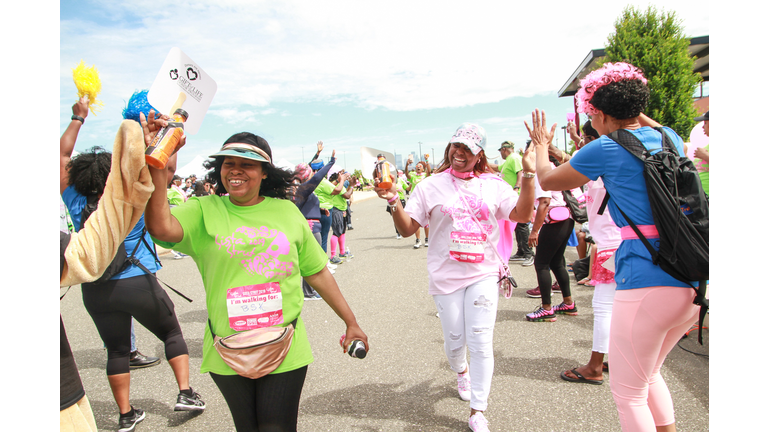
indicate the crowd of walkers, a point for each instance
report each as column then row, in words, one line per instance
column 258, row 231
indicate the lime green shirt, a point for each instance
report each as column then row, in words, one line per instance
column 247, row 248
column 415, row 178
column 175, row 197
column 323, row 193
column 703, row 168
column 511, row 166
column 401, row 188
column 338, row 201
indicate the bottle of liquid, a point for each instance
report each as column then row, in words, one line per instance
column 166, row 140
column 356, row 349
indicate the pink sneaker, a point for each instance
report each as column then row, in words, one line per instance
column 478, row 423
column 465, row 387
column 563, row 308
column 541, row 314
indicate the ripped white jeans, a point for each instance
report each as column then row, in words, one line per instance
column 468, row 317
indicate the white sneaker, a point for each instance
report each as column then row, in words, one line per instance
column 331, row 266
column 465, row 386
column 399, row 237
column 478, row 423
column 332, row 271
column 418, row 244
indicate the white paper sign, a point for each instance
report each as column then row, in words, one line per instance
column 181, row 80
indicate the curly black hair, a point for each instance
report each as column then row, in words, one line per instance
column 88, row 171
column 622, row 99
column 278, row 181
column 589, row 130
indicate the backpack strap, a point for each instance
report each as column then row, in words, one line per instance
column 667, row 141
column 135, row 261
column 601, row 210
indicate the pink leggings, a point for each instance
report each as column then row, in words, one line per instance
column 645, row 326
column 338, row 242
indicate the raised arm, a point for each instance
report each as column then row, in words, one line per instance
column 405, row 225
column 561, row 178
column 68, row 139
column 407, row 163
column 524, row 208
column 647, row 121
column 351, row 188
column 125, row 195
column 160, row 223
column 319, row 149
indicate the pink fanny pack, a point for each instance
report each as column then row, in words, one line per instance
column 557, row 214
column 649, row 231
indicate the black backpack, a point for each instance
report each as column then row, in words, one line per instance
column 680, row 210
column 578, row 209
column 120, row 262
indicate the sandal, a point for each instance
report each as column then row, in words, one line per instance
column 579, row 378
column 583, row 281
column 605, row 366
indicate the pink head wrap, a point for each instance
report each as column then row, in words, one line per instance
column 609, row 73
column 303, row 171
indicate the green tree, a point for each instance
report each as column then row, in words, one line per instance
column 654, row 42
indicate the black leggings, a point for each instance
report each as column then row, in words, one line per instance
column 550, row 255
column 113, row 303
column 266, row 404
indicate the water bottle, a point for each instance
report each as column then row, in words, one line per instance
column 347, row 253
column 166, row 140
column 356, row 349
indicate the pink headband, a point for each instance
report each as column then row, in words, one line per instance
column 609, row 73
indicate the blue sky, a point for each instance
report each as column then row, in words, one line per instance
column 348, row 73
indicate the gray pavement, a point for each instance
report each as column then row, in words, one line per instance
column 404, row 384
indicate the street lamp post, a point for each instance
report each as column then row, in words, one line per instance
column 565, row 140
column 433, row 156
column 421, row 155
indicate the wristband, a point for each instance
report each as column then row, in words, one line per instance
column 529, row 174
column 393, row 200
column 77, row 117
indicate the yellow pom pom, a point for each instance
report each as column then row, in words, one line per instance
column 88, row 84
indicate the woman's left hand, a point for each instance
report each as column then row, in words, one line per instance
column 539, row 135
column 385, row 193
column 354, row 332
column 533, row 238
column 151, row 126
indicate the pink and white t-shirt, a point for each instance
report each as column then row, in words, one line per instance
column 436, row 202
column 604, row 232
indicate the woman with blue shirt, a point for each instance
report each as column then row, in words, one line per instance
column 131, row 293
column 652, row 310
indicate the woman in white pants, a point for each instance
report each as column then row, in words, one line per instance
column 462, row 203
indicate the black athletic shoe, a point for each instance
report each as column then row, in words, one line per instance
column 128, row 423
column 139, row 360
column 189, row 403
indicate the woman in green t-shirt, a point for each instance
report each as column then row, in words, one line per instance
column 419, row 173
column 252, row 248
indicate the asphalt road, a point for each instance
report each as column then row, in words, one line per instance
column 404, row 384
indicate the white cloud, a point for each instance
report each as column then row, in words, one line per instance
column 399, row 55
